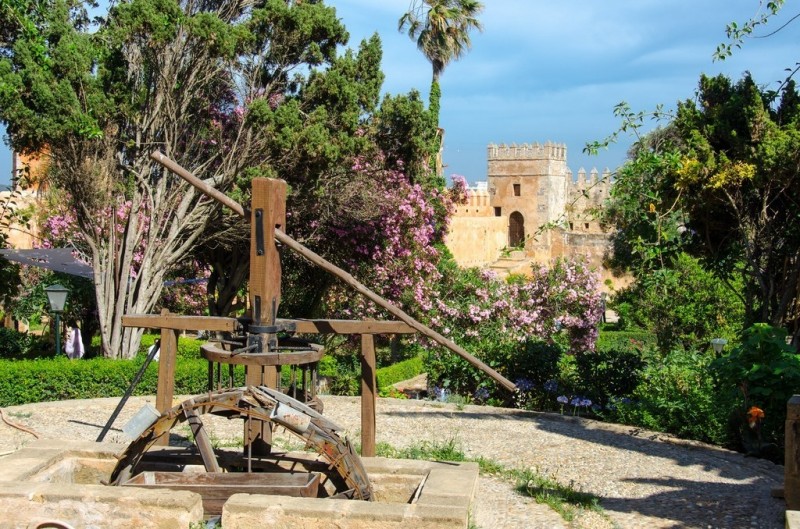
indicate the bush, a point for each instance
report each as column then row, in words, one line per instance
column 518, row 327
column 55, row 379
column 684, row 306
column 608, row 374
column 18, row 345
column 625, row 340
column 386, row 376
column 677, row 394
column 764, row 372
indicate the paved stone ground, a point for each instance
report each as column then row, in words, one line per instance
column 644, row 480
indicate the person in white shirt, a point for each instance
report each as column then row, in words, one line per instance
column 74, row 343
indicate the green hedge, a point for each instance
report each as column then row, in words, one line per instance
column 625, row 340
column 22, row 382
column 386, row 376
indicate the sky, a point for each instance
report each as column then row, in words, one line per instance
column 554, row 70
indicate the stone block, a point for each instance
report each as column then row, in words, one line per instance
column 97, row 506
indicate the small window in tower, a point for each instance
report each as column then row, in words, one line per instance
column 586, row 225
column 517, row 190
column 571, row 228
column 497, row 212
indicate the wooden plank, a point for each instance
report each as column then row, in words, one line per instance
column 216, row 488
column 326, row 265
column 201, row 438
column 349, row 327
column 369, row 395
column 267, row 213
column 167, row 358
column 391, row 309
column 214, row 354
column 181, row 323
column 791, row 480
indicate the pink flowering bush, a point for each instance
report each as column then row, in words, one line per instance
column 520, row 327
column 396, row 250
column 185, row 291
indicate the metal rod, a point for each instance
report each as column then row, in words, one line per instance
column 129, row 391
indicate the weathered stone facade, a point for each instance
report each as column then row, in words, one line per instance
column 531, row 202
column 33, row 168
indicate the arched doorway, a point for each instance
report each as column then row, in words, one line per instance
column 516, row 230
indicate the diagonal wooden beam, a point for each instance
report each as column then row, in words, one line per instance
column 326, row 265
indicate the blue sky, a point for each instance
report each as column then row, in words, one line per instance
column 554, row 70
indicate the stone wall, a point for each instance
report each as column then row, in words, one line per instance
column 476, row 241
column 530, row 190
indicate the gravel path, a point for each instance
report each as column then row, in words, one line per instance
column 644, row 480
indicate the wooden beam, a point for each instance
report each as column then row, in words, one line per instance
column 326, row 265
column 167, row 358
column 267, row 213
column 791, row 480
column 369, row 395
column 201, row 438
column 391, row 309
column 180, row 323
column 349, row 327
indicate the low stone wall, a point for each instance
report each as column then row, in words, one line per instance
column 53, row 480
column 447, row 493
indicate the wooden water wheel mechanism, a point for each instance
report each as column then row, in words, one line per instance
column 339, row 474
column 215, row 473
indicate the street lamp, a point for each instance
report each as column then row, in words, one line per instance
column 57, row 298
column 718, row 344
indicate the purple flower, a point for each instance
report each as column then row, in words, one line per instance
column 523, row 384
column 551, row 386
column 562, row 399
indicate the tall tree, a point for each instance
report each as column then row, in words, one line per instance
column 441, row 30
column 722, row 182
column 166, row 74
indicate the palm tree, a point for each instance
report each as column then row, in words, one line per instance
column 441, row 29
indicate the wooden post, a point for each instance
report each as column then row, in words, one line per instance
column 369, row 395
column 267, row 212
column 167, row 357
column 791, row 480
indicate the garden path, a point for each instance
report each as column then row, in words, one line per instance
column 644, row 479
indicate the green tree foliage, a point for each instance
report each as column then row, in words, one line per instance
column 720, row 182
column 231, row 91
column 684, row 305
column 737, row 32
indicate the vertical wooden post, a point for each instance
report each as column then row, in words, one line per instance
column 368, row 395
column 167, row 357
column 267, row 212
column 791, row 480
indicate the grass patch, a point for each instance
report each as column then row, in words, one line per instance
column 564, row 499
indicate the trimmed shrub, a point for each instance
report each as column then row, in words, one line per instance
column 386, row 376
column 625, row 340
column 55, row 379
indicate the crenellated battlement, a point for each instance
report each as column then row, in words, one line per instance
column 592, row 179
column 527, row 151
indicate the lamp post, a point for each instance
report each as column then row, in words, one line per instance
column 57, row 298
column 718, row 344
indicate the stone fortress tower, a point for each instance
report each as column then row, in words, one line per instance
column 530, row 209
